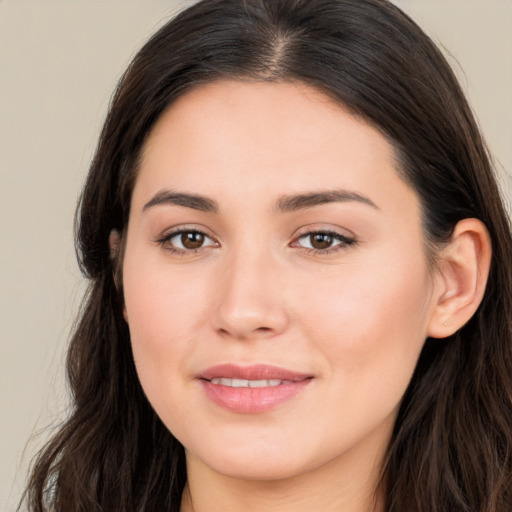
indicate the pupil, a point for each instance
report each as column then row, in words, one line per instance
column 321, row 241
column 192, row 240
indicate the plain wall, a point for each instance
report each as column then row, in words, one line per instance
column 59, row 63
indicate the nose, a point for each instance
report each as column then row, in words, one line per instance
column 250, row 302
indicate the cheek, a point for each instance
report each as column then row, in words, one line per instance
column 164, row 309
column 388, row 291
column 161, row 299
column 371, row 321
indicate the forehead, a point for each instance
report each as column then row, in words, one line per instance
column 269, row 138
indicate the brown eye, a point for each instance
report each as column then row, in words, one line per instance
column 324, row 241
column 321, row 240
column 187, row 240
column 192, row 239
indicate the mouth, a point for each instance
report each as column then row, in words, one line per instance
column 251, row 389
column 256, row 373
column 244, row 383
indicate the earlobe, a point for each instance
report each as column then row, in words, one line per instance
column 116, row 256
column 114, row 240
column 463, row 270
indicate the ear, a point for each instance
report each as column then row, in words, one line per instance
column 463, row 269
column 114, row 240
column 116, row 256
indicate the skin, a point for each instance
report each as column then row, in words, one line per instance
column 353, row 316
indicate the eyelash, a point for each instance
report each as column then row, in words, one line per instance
column 165, row 241
column 344, row 242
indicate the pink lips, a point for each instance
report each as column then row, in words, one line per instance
column 251, row 400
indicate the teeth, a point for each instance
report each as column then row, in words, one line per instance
column 243, row 383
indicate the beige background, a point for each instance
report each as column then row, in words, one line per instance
column 59, row 62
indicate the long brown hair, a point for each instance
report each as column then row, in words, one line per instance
column 452, row 444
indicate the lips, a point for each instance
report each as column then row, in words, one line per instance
column 251, row 389
column 253, row 372
column 244, row 383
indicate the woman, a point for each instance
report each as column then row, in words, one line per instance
column 300, row 275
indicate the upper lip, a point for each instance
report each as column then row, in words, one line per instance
column 252, row 372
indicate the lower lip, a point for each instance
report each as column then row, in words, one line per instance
column 252, row 400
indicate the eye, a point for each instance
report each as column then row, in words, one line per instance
column 186, row 240
column 323, row 241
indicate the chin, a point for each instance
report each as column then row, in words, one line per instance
column 256, row 469
column 262, row 459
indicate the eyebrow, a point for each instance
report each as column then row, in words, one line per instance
column 194, row 201
column 285, row 204
column 292, row 203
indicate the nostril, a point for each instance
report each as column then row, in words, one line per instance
column 241, row 333
column 248, row 316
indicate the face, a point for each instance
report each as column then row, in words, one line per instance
column 276, row 286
